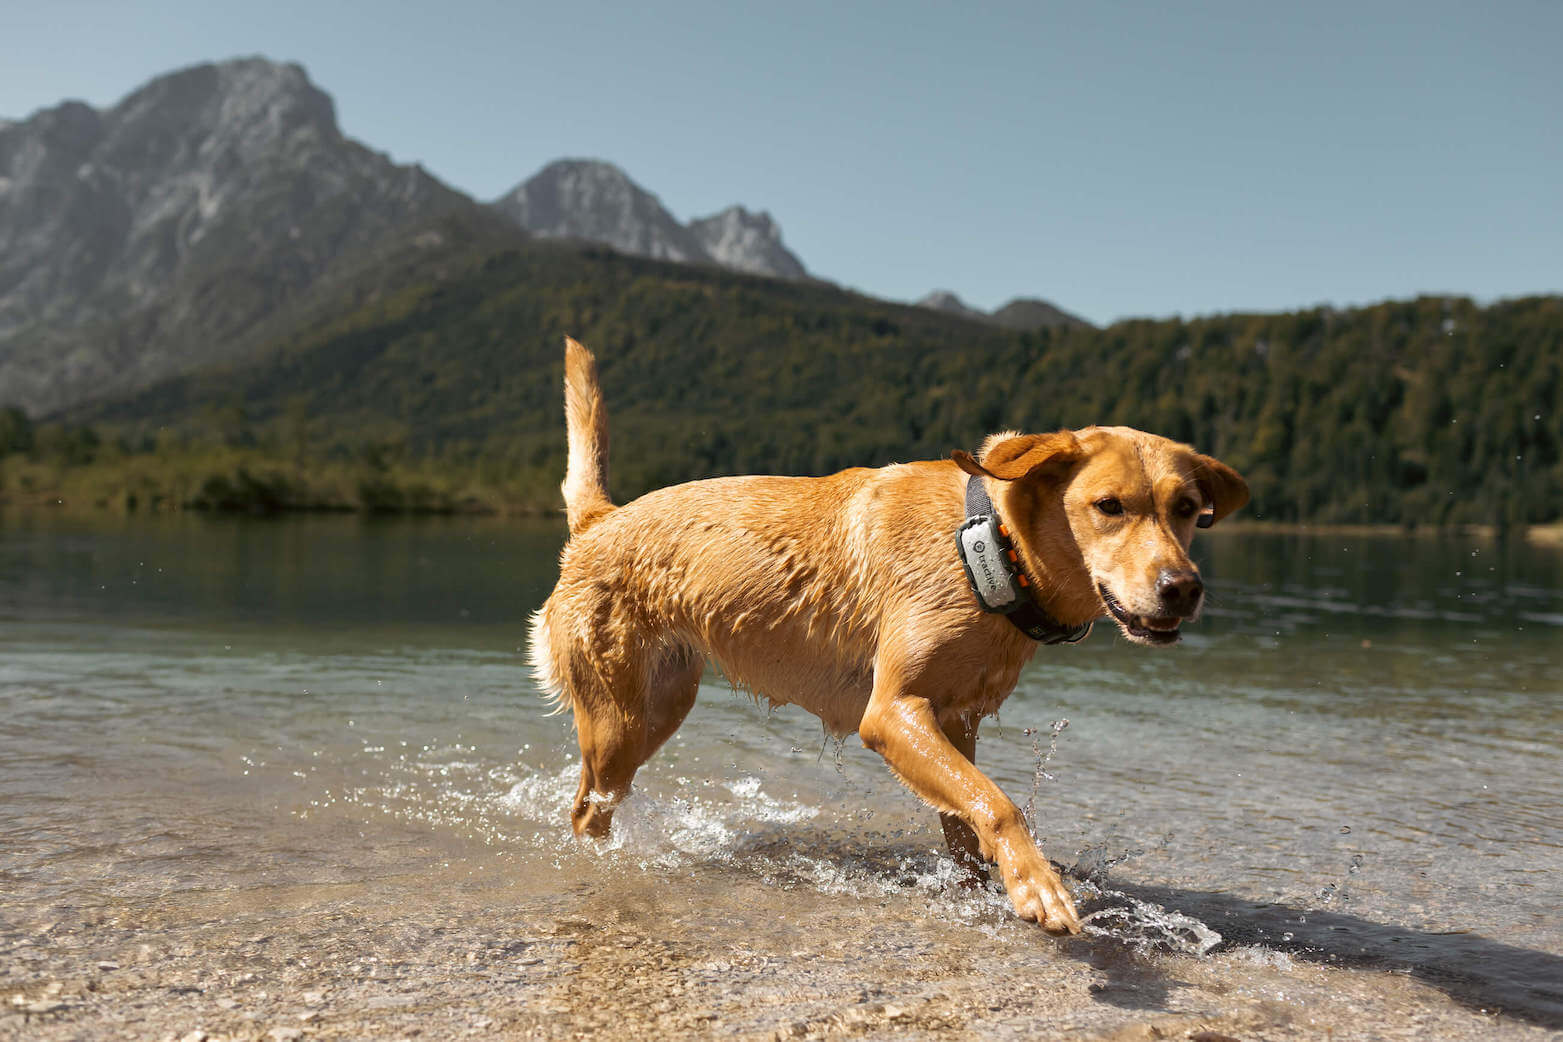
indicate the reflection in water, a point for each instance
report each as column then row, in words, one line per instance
column 1352, row 760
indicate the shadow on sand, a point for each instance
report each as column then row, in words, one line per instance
column 1479, row 973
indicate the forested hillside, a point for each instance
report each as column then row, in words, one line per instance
column 445, row 395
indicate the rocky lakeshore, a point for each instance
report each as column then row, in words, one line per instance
column 310, row 965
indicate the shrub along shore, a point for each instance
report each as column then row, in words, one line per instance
column 261, row 481
column 257, row 481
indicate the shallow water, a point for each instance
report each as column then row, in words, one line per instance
column 1352, row 762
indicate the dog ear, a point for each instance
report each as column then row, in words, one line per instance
column 1022, row 455
column 1224, row 488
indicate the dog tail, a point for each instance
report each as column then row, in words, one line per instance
column 585, row 484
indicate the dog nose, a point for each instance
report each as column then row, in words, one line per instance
column 1180, row 592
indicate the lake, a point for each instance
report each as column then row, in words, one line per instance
column 263, row 773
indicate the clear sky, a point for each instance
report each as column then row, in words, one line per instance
column 1115, row 158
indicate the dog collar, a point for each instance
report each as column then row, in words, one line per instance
column 993, row 570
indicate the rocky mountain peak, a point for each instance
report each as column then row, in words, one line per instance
column 744, row 240
column 123, row 214
column 594, row 200
column 241, row 93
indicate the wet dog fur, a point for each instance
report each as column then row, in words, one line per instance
column 844, row 595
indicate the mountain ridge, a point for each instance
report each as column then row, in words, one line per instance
column 195, row 220
column 186, row 223
column 1021, row 313
column 596, row 201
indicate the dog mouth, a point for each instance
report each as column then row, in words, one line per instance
column 1159, row 630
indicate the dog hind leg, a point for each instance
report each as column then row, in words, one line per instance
column 630, row 718
column 671, row 696
column 610, row 754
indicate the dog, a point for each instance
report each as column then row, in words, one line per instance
column 856, row 596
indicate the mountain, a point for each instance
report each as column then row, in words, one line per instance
column 463, row 372
column 595, row 201
column 1022, row 313
column 1031, row 313
column 950, row 304
column 218, row 210
column 143, row 239
column 745, row 241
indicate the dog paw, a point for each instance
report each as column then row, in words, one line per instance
column 1039, row 895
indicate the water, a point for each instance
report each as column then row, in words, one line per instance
column 1340, row 794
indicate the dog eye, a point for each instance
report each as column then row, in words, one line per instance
column 1109, row 506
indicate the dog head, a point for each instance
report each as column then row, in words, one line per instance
column 1104, row 517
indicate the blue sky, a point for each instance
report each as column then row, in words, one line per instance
column 1116, row 158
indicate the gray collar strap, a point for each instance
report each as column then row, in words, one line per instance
column 993, row 570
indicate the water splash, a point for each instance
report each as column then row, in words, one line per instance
column 1341, row 891
column 1254, row 955
column 1042, row 759
column 828, row 738
column 703, row 820
column 1094, row 862
column 1145, row 925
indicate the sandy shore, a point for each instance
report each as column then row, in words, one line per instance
column 312, row 964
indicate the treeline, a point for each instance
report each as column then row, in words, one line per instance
column 445, row 396
column 1432, row 411
column 237, row 469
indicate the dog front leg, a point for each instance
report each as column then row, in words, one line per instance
column 905, row 731
column 959, row 837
